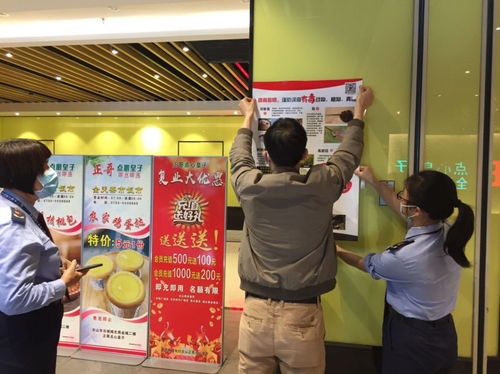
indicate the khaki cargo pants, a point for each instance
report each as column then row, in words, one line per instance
column 274, row 333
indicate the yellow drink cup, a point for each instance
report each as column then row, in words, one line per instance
column 125, row 292
column 99, row 275
column 129, row 260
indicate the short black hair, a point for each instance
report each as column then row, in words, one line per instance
column 21, row 161
column 285, row 141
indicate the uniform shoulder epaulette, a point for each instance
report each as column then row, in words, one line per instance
column 18, row 216
column 398, row 246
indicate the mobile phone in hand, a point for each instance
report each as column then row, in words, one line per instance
column 87, row 267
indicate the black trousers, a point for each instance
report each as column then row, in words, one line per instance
column 28, row 342
column 413, row 346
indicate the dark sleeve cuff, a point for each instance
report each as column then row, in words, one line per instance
column 356, row 122
column 245, row 131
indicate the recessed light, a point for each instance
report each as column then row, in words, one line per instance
column 58, row 78
column 17, row 113
column 58, row 113
column 99, row 113
column 204, row 75
column 185, row 49
column 114, row 51
column 467, row 71
column 498, row 28
column 235, row 113
column 157, row 76
column 8, row 54
column 188, row 113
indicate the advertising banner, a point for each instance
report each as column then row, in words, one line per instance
column 63, row 215
column 116, row 229
column 188, row 261
column 323, row 108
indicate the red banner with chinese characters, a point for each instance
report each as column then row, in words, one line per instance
column 188, row 258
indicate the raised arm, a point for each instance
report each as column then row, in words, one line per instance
column 389, row 196
column 347, row 157
column 242, row 162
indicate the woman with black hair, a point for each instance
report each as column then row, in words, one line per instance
column 422, row 273
column 30, row 277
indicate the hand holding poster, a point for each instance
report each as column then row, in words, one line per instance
column 323, row 108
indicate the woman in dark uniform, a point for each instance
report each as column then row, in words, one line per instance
column 30, row 276
column 422, row 273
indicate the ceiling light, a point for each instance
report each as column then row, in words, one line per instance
column 235, row 113
column 8, row 54
column 204, row 75
column 58, row 113
column 58, row 78
column 467, row 71
column 114, row 51
column 185, row 49
column 17, row 113
column 99, row 113
column 157, row 76
column 498, row 28
column 188, row 113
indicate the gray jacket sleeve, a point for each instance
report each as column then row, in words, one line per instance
column 345, row 160
column 243, row 169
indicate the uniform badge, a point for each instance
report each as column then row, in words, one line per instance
column 18, row 216
column 398, row 246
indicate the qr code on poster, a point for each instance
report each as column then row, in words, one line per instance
column 350, row 88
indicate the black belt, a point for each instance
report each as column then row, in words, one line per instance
column 415, row 321
column 311, row 300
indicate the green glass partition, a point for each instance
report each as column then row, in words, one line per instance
column 493, row 327
column 451, row 120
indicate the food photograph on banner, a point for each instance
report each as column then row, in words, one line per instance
column 63, row 215
column 116, row 229
column 188, row 242
column 323, row 108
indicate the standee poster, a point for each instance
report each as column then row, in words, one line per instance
column 63, row 215
column 116, row 227
column 188, row 260
column 322, row 108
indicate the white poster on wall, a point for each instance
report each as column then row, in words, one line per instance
column 323, row 108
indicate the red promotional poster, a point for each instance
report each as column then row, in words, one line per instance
column 188, row 259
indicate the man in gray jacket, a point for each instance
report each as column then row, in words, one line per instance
column 287, row 254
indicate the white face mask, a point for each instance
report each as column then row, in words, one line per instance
column 408, row 218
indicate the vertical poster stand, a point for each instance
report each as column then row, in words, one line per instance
column 187, row 279
column 116, row 230
column 63, row 215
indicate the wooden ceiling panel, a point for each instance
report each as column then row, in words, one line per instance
column 44, row 86
column 118, row 72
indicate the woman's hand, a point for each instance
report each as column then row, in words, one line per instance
column 366, row 173
column 70, row 276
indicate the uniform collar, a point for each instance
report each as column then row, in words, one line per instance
column 420, row 230
column 26, row 204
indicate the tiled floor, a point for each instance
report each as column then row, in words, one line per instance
column 67, row 365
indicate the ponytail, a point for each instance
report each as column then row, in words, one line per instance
column 436, row 194
column 459, row 234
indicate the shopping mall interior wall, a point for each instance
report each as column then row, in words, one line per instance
column 128, row 135
column 372, row 40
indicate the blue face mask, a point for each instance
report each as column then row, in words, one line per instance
column 49, row 182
